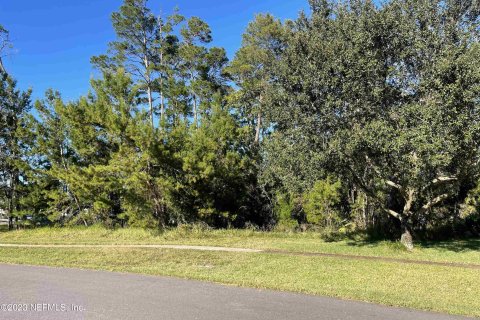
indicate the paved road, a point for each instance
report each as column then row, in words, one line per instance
column 104, row 295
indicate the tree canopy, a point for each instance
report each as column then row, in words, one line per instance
column 352, row 114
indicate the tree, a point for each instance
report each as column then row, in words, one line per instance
column 320, row 203
column 216, row 170
column 424, row 145
column 49, row 197
column 385, row 97
column 199, row 66
column 142, row 49
column 5, row 45
column 168, row 48
column 14, row 107
column 263, row 43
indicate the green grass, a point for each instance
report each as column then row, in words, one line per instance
column 459, row 251
column 448, row 289
column 428, row 287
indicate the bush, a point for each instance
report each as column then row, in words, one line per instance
column 284, row 210
column 320, row 203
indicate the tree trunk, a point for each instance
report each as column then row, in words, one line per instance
column 162, row 105
column 10, row 210
column 195, row 111
column 366, row 220
column 258, row 128
column 406, row 238
column 162, row 99
column 10, row 223
column 195, row 107
column 149, row 85
column 150, row 104
column 2, row 69
column 12, row 201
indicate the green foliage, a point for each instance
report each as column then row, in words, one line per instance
column 385, row 98
column 252, row 71
column 470, row 213
column 215, row 169
column 104, row 159
column 321, row 201
column 15, row 140
column 284, row 210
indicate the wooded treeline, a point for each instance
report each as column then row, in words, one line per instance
column 354, row 116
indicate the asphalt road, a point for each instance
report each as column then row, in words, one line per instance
column 50, row 293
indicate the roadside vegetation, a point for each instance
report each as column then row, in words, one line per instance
column 353, row 129
column 456, row 251
column 353, row 117
column 435, row 288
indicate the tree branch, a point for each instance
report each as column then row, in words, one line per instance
column 394, row 214
column 394, row 185
column 438, row 180
column 443, row 179
column 433, row 202
column 387, row 182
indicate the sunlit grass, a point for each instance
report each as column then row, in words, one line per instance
column 462, row 251
column 436, row 288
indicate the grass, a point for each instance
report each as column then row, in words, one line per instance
column 459, row 251
column 426, row 287
column 439, row 288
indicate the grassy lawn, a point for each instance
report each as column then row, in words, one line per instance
column 461, row 251
column 448, row 289
column 435, row 288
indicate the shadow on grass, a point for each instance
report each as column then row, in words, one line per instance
column 449, row 245
column 453, row 245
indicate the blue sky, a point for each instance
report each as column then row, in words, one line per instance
column 54, row 39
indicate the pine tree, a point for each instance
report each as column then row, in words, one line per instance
column 142, row 49
column 263, row 43
column 5, row 46
column 14, row 108
column 200, row 67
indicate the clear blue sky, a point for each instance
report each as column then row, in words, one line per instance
column 54, row 39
